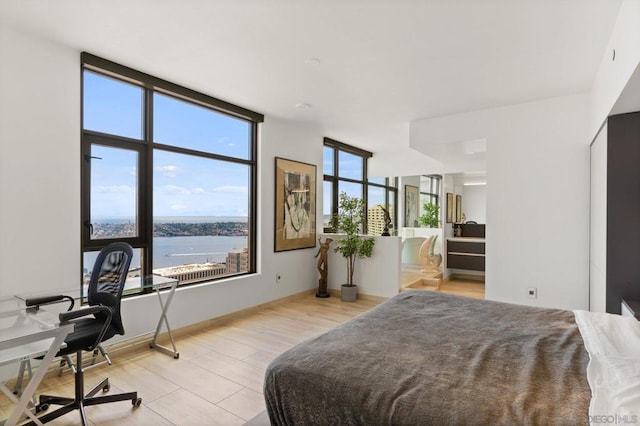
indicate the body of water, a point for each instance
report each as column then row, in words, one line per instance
column 175, row 251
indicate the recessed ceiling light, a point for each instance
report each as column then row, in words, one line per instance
column 302, row 105
column 312, row 61
column 474, row 183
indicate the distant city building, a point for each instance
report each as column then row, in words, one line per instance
column 375, row 219
column 238, row 261
column 192, row 273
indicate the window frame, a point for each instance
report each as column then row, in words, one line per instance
column 433, row 195
column 391, row 198
column 146, row 147
column 334, row 179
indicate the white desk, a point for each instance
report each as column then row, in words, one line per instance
column 26, row 334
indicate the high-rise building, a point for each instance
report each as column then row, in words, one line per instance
column 376, row 219
column 238, row 261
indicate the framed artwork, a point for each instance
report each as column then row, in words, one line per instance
column 458, row 208
column 411, row 205
column 450, row 207
column 295, row 215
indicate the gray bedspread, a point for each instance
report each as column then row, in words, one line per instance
column 425, row 358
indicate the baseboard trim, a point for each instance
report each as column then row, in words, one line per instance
column 336, row 293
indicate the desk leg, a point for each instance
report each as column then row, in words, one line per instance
column 163, row 319
column 30, row 390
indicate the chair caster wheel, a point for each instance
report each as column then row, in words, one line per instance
column 106, row 388
column 176, row 356
column 42, row 407
column 136, row 402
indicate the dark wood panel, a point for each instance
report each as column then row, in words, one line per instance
column 460, row 261
column 465, row 247
column 623, row 209
column 633, row 306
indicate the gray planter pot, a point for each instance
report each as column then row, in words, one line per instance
column 349, row 293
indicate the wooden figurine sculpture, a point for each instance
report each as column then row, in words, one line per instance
column 323, row 266
column 387, row 223
column 429, row 260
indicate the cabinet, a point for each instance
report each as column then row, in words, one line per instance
column 615, row 228
column 466, row 253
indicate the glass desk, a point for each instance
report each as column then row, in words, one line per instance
column 157, row 283
column 135, row 285
column 27, row 334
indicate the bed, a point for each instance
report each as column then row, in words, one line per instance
column 425, row 357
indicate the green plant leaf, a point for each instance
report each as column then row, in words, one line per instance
column 431, row 216
column 350, row 221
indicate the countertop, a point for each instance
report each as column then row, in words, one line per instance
column 467, row 239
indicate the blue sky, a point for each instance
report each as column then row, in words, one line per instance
column 183, row 185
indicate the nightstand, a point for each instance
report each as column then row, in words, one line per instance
column 631, row 308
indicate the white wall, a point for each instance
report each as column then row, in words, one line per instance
column 39, row 165
column 613, row 75
column 598, row 234
column 537, row 196
column 400, row 160
column 474, row 203
column 40, row 192
column 614, row 92
column 378, row 275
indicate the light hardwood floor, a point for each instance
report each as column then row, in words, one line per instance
column 218, row 378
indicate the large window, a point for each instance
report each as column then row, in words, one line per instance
column 345, row 170
column 430, row 190
column 381, row 205
column 168, row 170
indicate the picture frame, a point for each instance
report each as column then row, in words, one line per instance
column 450, row 207
column 411, row 205
column 295, row 205
column 458, row 208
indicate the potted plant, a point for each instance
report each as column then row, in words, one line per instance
column 431, row 216
column 350, row 221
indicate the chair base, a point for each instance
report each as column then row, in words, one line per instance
column 81, row 400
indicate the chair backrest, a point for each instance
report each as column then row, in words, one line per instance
column 108, row 277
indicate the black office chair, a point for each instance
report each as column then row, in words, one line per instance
column 93, row 324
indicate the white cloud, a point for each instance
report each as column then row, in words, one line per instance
column 231, row 189
column 114, row 189
column 198, row 190
column 178, row 207
column 174, row 190
column 168, row 171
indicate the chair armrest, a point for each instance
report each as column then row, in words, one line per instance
column 89, row 310
column 83, row 312
column 35, row 302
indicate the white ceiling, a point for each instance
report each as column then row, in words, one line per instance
column 382, row 63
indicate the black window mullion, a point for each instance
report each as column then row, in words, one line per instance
column 88, row 140
column 146, row 197
column 187, row 151
column 253, row 208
